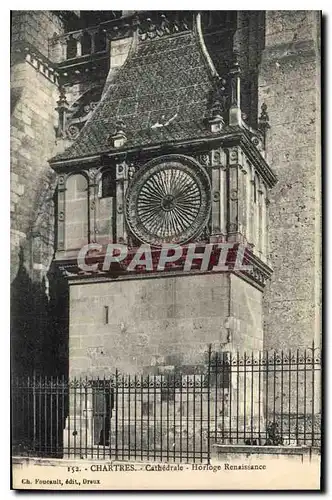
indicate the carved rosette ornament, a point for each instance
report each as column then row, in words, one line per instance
column 169, row 201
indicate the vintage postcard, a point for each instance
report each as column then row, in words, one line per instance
column 166, row 250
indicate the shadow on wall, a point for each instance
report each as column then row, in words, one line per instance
column 39, row 325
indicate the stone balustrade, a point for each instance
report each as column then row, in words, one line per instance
column 78, row 44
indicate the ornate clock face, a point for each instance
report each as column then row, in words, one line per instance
column 168, row 201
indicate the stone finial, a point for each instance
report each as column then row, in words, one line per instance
column 235, row 115
column 263, row 120
column 119, row 138
column 216, row 120
column 217, row 110
column 62, row 109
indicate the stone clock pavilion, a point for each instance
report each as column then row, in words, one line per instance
column 169, row 154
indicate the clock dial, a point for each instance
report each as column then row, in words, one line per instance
column 168, row 201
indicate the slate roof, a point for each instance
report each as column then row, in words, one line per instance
column 164, row 79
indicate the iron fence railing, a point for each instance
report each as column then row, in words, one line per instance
column 264, row 398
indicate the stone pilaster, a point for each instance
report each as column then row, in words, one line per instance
column 248, row 204
column 233, row 193
column 263, row 223
column 267, row 234
column 92, row 203
column 260, row 219
column 121, row 188
column 218, row 181
column 242, row 197
column 61, row 213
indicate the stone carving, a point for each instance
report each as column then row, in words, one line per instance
column 92, row 173
column 263, row 122
column 73, row 118
column 235, row 79
column 119, row 138
column 234, row 155
column 162, row 26
column 234, row 194
column 232, row 227
column 204, row 159
column 72, row 132
column 131, row 171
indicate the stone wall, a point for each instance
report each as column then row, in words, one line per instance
column 289, row 83
column 246, row 316
column 32, row 142
column 33, row 117
column 167, row 321
column 35, row 27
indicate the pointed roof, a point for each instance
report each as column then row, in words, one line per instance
column 162, row 93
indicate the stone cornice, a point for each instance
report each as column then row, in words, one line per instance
column 24, row 51
column 257, row 276
column 230, row 136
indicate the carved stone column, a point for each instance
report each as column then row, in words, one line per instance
column 235, row 118
column 267, row 236
column 248, row 204
column 233, row 207
column 92, row 205
column 61, row 213
column 260, row 219
column 253, row 222
column 223, row 199
column 218, row 181
column 256, row 215
column 121, row 188
column 242, row 196
column 263, row 223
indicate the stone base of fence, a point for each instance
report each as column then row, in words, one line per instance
column 234, row 453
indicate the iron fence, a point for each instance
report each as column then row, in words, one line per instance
column 259, row 398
